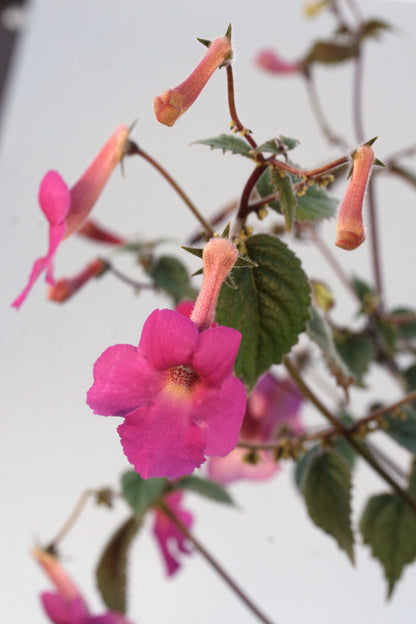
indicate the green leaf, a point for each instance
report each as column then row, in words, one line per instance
column 279, row 145
column 357, row 351
column 410, row 377
column 111, row 568
column 171, row 275
column 388, row 526
column 373, row 28
column 319, row 331
column 204, row 487
column 330, row 52
column 405, row 331
column 326, row 486
column 228, row 143
column 142, row 494
column 269, row 307
column 402, row 427
column 315, row 205
column 287, row 197
column 265, row 188
column 302, row 465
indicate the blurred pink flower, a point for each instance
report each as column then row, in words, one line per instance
column 173, row 103
column 66, row 605
column 176, row 390
column 67, row 209
column 272, row 411
column 171, row 541
column 350, row 228
column 270, row 61
column 67, row 286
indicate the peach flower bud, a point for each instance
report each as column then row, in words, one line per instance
column 66, row 287
column 175, row 102
column 350, row 229
column 270, row 61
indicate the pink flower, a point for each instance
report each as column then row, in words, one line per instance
column 66, row 605
column 176, row 390
column 92, row 230
column 175, row 102
column 272, row 410
column 350, row 228
column 67, row 209
column 270, row 61
column 171, row 541
column 66, row 287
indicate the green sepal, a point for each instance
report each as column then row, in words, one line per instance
column 195, row 251
column 142, row 494
column 205, row 42
column 111, row 569
column 228, row 143
column 205, row 487
column 269, row 308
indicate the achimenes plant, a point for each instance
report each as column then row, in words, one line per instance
column 202, row 381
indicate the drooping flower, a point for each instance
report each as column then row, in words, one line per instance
column 94, row 231
column 350, row 228
column 173, row 103
column 170, row 539
column 270, row 61
column 272, row 411
column 67, row 286
column 67, row 209
column 66, row 605
column 176, row 390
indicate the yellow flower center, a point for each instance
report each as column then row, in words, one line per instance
column 181, row 381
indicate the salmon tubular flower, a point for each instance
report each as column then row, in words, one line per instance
column 67, row 286
column 271, row 62
column 170, row 539
column 66, row 605
column 273, row 411
column 173, row 103
column 176, row 391
column 350, row 229
column 67, row 209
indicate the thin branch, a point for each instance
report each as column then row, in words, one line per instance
column 214, row 564
column 319, row 113
column 68, row 524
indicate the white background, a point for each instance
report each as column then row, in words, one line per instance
column 85, row 66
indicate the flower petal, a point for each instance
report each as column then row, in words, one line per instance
column 123, row 381
column 168, row 339
column 215, row 356
column 220, row 412
column 233, row 467
column 162, row 441
column 62, row 611
column 169, row 537
column 54, row 198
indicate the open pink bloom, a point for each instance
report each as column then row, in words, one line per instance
column 67, row 209
column 272, row 411
column 66, row 605
column 171, row 541
column 67, row 286
column 270, row 61
column 175, row 102
column 350, row 228
column 176, row 390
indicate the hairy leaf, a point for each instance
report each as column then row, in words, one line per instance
column 141, row 494
column 287, row 197
column 329, row 52
column 204, row 487
column 357, row 351
column 406, row 331
column 388, row 526
column 171, row 275
column 279, row 145
column 326, row 486
column 315, row 205
column 111, row 568
column 320, row 332
column 402, row 427
column 227, row 143
column 269, row 307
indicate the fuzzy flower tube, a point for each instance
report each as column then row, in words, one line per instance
column 66, row 605
column 67, row 209
column 350, row 228
column 176, row 391
column 173, row 103
column 273, row 410
column 270, row 61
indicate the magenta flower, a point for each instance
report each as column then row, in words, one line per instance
column 173, row 103
column 170, row 539
column 272, row 411
column 66, row 605
column 67, row 209
column 271, row 62
column 350, row 228
column 176, row 390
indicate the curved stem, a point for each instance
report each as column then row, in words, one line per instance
column 176, row 187
column 236, row 123
column 360, row 448
column 128, row 280
column 357, row 98
column 68, row 524
column 319, row 113
column 214, row 564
